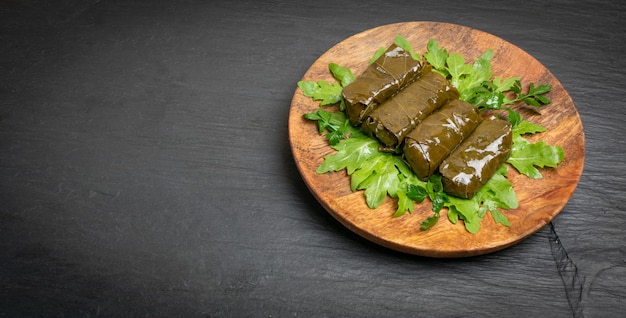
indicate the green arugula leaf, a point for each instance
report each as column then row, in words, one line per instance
column 499, row 217
column 323, row 91
column 405, row 45
column 466, row 210
column 352, row 153
column 522, row 126
column 375, row 164
column 457, row 68
column 383, row 180
column 378, row 173
column 477, row 74
column 504, row 85
column 411, row 191
column 377, row 54
column 326, row 93
column 496, row 194
column 525, row 156
column 404, row 204
column 526, row 127
column 399, row 41
column 436, row 57
column 343, row 74
column 453, row 214
column 472, row 226
column 483, row 97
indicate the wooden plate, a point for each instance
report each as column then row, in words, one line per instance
column 540, row 200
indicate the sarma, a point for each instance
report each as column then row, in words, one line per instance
column 386, row 76
column 475, row 161
column 426, row 146
column 397, row 116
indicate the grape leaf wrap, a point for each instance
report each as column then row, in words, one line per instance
column 388, row 74
column 397, row 116
column 426, row 146
column 477, row 158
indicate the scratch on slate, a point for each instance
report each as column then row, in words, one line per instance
column 568, row 272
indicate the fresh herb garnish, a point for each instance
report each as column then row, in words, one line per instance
column 335, row 123
column 401, row 42
column 475, row 82
column 381, row 174
column 406, row 45
column 329, row 94
column 525, row 156
column 534, row 96
column 496, row 194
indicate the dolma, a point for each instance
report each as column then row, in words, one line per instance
column 397, row 116
column 387, row 75
column 426, row 146
column 475, row 161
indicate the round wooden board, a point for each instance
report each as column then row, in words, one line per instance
column 540, row 200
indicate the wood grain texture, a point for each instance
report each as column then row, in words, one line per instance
column 540, row 200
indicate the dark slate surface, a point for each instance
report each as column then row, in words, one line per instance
column 145, row 168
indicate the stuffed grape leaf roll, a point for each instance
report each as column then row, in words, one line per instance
column 426, row 146
column 475, row 161
column 397, row 116
column 386, row 76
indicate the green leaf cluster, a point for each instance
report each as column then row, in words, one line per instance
column 321, row 90
column 526, row 156
column 327, row 93
column 335, row 123
column 381, row 174
column 377, row 173
column 475, row 83
column 476, row 86
column 496, row 194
